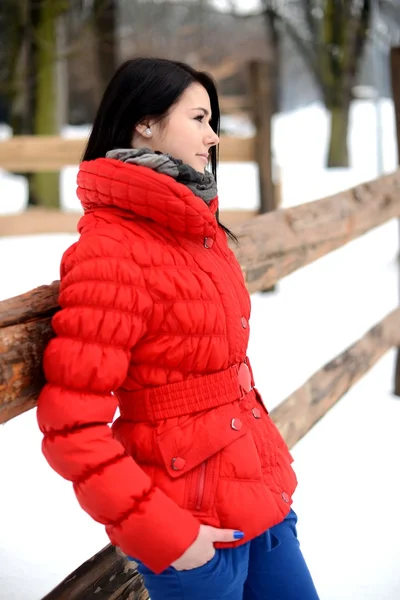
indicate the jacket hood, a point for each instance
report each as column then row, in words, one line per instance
column 108, row 183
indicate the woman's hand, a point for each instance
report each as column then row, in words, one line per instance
column 202, row 550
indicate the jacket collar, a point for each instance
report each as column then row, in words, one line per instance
column 107, row 183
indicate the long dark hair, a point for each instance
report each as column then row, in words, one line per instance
column 146, row 87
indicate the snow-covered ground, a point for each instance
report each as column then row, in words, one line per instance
column 347, row 465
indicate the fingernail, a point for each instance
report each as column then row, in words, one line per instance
column 238, row 535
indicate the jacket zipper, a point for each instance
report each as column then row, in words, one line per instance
column 200, row 486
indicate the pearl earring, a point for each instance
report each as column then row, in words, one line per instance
column 148, row 131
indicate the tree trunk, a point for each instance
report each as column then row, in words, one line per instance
column 31, row 48
column 395, row 80
column 274, row 46
column 45, row 185
column 338, row 155
column 18, row 36
column 104, row 30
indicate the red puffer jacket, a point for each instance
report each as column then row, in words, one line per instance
column 154, row 314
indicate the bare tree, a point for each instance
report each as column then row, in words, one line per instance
column 331, row 36
column 30, row 57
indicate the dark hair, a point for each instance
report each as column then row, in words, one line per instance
column 146, row 87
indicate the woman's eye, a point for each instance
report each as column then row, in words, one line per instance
column 199, row 118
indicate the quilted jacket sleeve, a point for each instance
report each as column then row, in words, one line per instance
column 104, row 310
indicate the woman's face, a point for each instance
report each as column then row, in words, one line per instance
column 185, row 133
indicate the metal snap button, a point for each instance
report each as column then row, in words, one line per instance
column 178, row 463
column 236, row 424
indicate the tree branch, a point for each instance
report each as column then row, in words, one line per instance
column 305, row 49
column 361, row 33
column 310, row 18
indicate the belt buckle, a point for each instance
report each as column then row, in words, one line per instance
column 244, row 378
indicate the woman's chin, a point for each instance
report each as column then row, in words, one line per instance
column 200, row 168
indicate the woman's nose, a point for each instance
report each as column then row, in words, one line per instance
column 212, row 137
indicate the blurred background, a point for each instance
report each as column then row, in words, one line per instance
column 323, row 62
column 307, row 111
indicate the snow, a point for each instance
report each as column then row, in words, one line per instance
column 347, row 464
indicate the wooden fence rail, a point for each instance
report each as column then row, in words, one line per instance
column 276, row 244
column 52, row 153
column 105, row 576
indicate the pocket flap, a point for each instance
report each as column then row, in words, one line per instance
column 184, row 447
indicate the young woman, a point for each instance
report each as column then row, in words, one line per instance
column 193, row 480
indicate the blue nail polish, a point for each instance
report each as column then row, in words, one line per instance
column 238, row 535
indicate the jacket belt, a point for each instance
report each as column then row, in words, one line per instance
column 186, row 397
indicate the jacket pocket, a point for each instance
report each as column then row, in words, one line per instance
column 193, row 449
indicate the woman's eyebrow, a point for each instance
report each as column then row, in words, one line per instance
column 206, row 112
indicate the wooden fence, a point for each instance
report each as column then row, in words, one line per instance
column 271, row 246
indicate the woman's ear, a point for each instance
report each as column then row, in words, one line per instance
column 144, row 130
column 142, row 134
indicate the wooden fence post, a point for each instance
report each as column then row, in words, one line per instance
column 262, row 102
column 395, row 73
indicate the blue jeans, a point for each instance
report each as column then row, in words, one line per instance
column 269, row 567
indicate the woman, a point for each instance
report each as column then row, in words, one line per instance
column 192, row 480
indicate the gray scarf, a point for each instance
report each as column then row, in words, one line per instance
column 201, row 184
